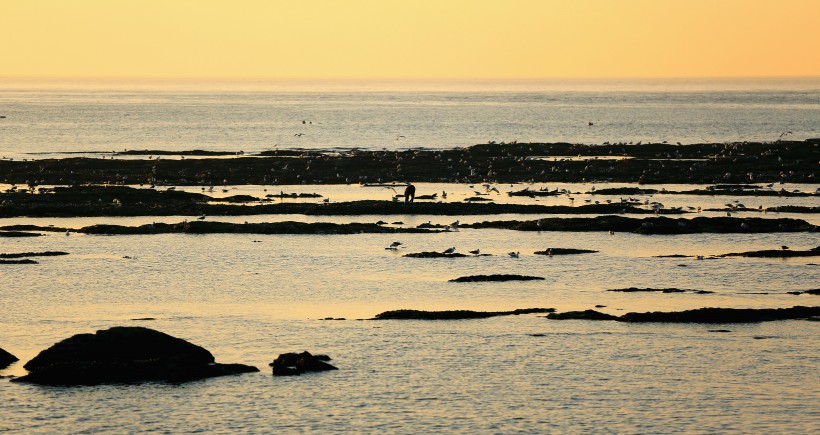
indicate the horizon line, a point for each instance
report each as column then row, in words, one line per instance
column 394, row 79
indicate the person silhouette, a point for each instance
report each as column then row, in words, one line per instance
column 409, row 193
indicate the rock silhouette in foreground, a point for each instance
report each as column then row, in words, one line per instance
column 6, row 358
column 700, row 315
column 454, row 314
column 294, row 364
column 125, row 354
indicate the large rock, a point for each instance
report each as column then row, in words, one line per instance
column 124, row 355
column 293, row 364
column 6, row 358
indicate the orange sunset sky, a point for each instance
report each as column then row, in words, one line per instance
column 418, row 39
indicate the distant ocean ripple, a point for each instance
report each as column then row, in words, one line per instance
column 60, row 117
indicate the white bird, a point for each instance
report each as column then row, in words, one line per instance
column 202, row 218
column 514, row 254
column 476, row 252
column 450, row 250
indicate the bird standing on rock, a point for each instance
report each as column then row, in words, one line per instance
column 450, row 250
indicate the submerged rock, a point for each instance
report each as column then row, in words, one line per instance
column 23, row 261
column 656, row 290
column 432, row 254
column 293, row 364
column 495, row 278
column 33, row 254
column 6, row 358
column 124, row 354
column 564, row 251
column 454, row 314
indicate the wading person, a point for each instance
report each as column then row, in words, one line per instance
column 409, row 193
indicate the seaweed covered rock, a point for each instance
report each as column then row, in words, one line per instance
column 6, row 358
column 294, row 364
column 124, row 354
column 496, row 278
column 454, row 314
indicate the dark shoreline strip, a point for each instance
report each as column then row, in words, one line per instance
column 701, row 315
column 454, row 314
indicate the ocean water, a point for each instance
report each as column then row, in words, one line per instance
column 248, row 298
column 58, row 117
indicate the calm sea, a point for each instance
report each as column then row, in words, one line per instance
column 248, row 298
column 59, row 117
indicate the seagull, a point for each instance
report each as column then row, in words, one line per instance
column 450, row 250
column 395, row 245
column 476, row 251
column 202, row 218
column 514, row 254
column 784, row 247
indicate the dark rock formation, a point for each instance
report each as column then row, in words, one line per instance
column 654, row 225
column 581, row 315
column 292, row 364
column 496, row 278
column 18, row 234
column 455, row 314
column 33, row 254
column 656, row 290
column 6, row 358
column 23, row 261
column 287, row 227
column 700, row 315
column 501, row 163
column 564, row 251
column 124, row 355
column 776, row 253
column 431, row 254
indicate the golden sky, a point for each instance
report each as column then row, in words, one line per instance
column 408, row 39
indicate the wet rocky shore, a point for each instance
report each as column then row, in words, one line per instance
column 787, row 161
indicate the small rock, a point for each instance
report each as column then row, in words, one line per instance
column 294, row 364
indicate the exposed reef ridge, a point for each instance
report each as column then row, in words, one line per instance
column 790, row 161
column 496, row 278
column 564, row 251
column 701, row 315
column 654, row 225
column 96, row 200
column 784, row 252
column 454, row 314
